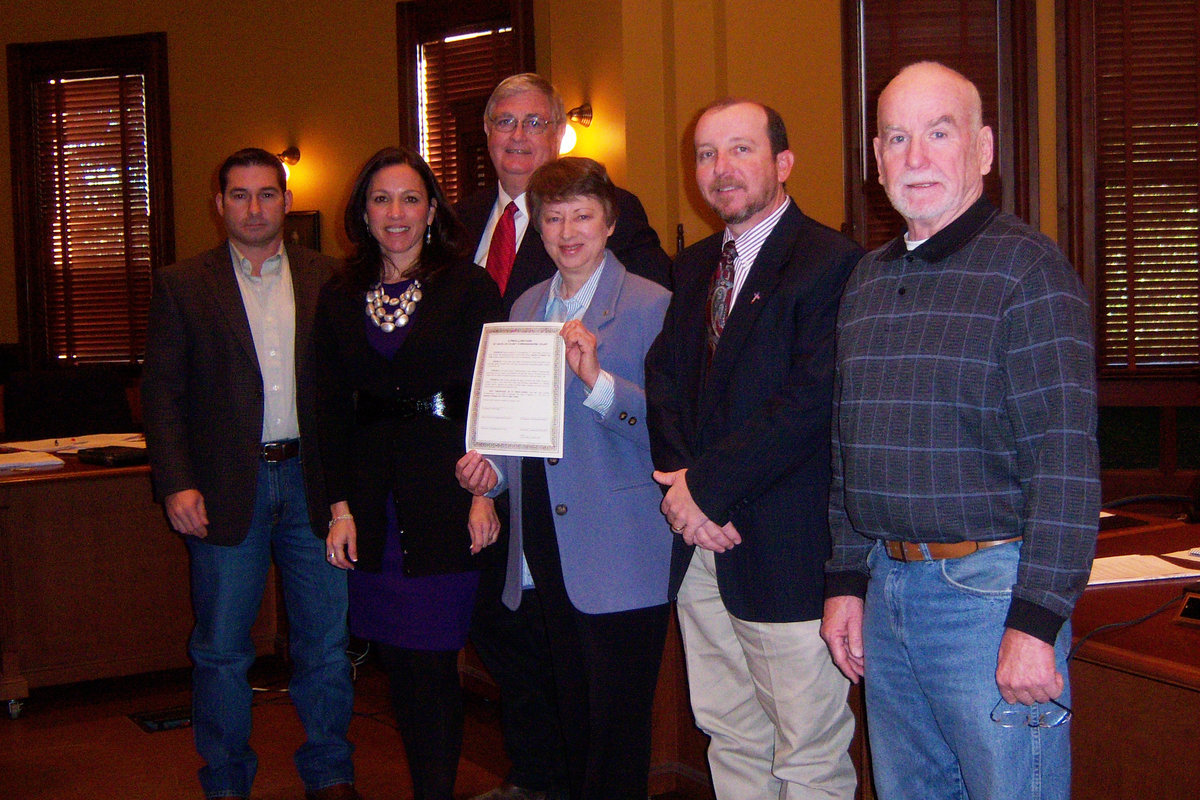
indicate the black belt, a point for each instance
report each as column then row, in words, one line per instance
column 443, row 405
column 280, row 451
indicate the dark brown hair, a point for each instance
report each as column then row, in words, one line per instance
column 251, row 157
column 570, row 177
column 446, row 233
column 776, row 130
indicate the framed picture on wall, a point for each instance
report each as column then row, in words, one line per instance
column 303, row 228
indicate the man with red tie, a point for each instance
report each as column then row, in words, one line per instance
column 524, row 121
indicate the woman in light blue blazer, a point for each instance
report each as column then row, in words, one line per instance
column 587, row 541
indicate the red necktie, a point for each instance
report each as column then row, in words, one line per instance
column 719, row 296
column 503, row 249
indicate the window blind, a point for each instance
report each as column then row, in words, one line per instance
column 456, row 75
column 92, row 196
column 1147, row 183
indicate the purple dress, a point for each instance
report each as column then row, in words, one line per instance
column 431, row 612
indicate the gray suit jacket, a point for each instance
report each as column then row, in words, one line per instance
column 202, row 394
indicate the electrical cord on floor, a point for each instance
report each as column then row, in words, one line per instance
column 1112, row 626
column 384, row 718
column 357, row 659
column 268, row 689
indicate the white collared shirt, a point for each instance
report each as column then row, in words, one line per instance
column 560, row 309
column 520, row 223
column 271, row 311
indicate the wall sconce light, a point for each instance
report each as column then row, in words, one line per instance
column 289, row 157
column 580, row 115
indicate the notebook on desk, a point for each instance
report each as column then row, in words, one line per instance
column 1131, row 568
column 113, row 455
column 25, row 460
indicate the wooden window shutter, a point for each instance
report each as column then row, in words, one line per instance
column 92, row 204
column 1147, row 183
column 93, row 200
column 458, row 75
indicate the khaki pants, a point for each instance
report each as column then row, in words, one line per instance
column 768, row 695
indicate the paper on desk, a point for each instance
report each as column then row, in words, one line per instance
column 1124, row 569
column 71, row 444
column 10, row 462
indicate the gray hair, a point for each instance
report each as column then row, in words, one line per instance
column 521, row 83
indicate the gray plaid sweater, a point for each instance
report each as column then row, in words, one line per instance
column 965, row 409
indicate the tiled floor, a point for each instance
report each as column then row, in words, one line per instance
column 78, row 743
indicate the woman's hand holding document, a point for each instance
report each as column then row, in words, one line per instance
column 516, row 404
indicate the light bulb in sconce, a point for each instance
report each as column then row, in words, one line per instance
column 568, row 140
column 580, row 115
column 288, row 158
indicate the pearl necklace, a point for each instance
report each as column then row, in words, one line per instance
column 389, row 313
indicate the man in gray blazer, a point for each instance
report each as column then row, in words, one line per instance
column 228, row 399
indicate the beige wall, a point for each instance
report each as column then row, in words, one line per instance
column 646, row 66
column 322, row 76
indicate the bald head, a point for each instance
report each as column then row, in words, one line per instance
column 932, row 149
column 930, row 76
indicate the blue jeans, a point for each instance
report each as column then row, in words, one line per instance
column 227, row 588
column 931, row 633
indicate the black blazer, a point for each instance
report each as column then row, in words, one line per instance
column 365, row 458
column 753, row 429
column 634, row 243
column 202, row 393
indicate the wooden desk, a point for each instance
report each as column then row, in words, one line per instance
column 93, row 583
column 1136, row 691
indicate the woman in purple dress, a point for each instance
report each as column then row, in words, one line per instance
column 396, row 334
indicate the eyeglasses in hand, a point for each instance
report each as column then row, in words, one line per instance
column 1039, row 715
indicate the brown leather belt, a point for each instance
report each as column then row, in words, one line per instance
column 911, row 551
column 280, row 451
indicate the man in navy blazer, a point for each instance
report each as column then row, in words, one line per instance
column 229, row 403
column 524, row 120
column 739, row 388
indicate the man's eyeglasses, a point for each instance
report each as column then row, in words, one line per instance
column 1040, row 715
column 533, row 125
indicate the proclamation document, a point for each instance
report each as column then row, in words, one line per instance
column 517, row 394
